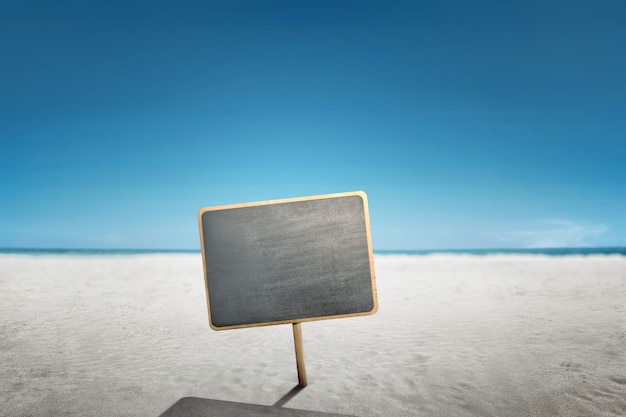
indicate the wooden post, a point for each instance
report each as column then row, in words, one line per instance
column 297, row 340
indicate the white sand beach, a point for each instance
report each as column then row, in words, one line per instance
column 454, row 335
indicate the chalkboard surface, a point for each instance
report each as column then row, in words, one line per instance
column 287, row 261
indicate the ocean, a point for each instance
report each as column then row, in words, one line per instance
column 510, row 251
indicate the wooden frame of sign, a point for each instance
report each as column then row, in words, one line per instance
column 288, row 261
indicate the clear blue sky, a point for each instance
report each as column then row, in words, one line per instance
column 469, row 124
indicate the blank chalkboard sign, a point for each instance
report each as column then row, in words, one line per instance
column 288, row 261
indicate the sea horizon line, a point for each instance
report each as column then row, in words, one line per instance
column 565, row 250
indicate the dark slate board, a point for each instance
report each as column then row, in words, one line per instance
column 288, row 260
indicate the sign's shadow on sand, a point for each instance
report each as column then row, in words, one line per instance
column 204, row 407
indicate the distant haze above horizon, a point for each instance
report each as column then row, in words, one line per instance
column 468, row 124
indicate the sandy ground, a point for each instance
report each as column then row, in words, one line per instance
column 454, row 336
